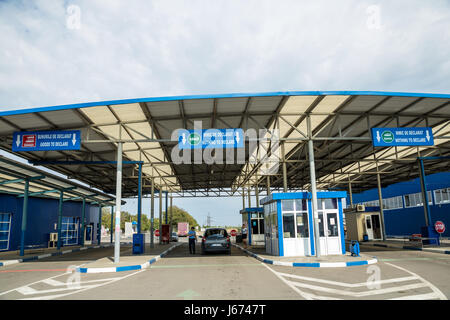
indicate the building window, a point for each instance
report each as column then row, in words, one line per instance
column 415, row 199
column 442, row 195
column 393, row 203
column 288, row 225
column 302, row 225
column 69, row 230
column 5, row 228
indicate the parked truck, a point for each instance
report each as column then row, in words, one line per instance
column 183, row 229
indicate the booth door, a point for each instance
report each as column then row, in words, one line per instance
column 88, row 233
column 329, row 227
column 369, row 229
column 274, row 234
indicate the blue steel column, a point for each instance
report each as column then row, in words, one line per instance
column 423, row 184
column 112, row 221
column 139, row 198
column 83, row 217
column 24, row 217
column 61, row 199
column 99, row 235
column 167, row 213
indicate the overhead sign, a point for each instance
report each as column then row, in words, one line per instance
column 211, row 138
column 396, row 137
column 439, row 226
column 46, row 140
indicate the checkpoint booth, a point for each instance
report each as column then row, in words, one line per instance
column 253, row 218
column 289, row 228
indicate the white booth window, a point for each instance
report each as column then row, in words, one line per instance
column 5, row 227
column 295, row 218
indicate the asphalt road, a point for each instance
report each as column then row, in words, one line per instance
column 180, row 275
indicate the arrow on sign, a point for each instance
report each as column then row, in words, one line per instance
column 18, row 140
column 378, row 136
column 428, row 136
column 188, row 294
column 74, row 139
column 237, row 137
column 184, row 139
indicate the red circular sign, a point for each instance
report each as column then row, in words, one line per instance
column 233, row 233
column 157, row 232
column 439, row 226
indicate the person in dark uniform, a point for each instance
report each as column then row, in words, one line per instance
column 192, row 239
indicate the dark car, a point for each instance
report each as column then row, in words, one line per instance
column 216, row 240
column 174, row 237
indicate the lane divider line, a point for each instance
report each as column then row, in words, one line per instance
column 128, row 268
column 309, row 264
column 405, row 247
column 54, row 254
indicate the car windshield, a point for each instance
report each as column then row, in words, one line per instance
column 216, row 233
column 174, row 233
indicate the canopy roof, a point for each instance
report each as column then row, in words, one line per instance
column 340, row 126
column 13, row 176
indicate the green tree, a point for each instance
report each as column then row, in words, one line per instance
column 180, row 215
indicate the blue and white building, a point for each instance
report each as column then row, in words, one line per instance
column 289, row 228
column 403, row 205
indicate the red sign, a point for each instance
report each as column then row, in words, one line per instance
column 439, row 226
column 29, row 141
column 233, row 233
column 157, row 232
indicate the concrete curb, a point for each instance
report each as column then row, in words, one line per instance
column 310, row 264
column 127, row 268
column 404, row 247
column 28, row 259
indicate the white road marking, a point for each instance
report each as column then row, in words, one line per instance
column 420, row 283
column 359, row 294
column 80, row 289
column 348, row 285
column 427, row 296
column 432, row 287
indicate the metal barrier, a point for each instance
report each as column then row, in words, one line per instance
column 416, row 240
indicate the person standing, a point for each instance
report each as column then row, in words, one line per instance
column 192, row 239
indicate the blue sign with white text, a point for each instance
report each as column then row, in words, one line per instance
column 210, row 138
column 408, row 137
column 46, row 140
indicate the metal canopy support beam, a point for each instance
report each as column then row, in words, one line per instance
column 139, row 199
column 257, row 195
column 111, row 226
column 24, row 217
column 160, row 214
column 171, row 212
column 152, row 214
column 380, row 197
column 268, row 185
column 118, row 203
column 243, row 198
column 284, row 168
column 61, row 200
column 83, row 217
column 312, row 173
column 249, row 190
column 423, row 185
column 167, row 212
column 99, row 235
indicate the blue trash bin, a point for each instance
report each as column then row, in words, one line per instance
column 138, row 243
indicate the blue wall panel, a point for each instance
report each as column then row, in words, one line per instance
column 42, row 217
column 407, row 221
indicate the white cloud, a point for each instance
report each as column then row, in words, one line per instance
column 133, row 49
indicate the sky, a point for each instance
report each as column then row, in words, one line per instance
column 64, row 52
